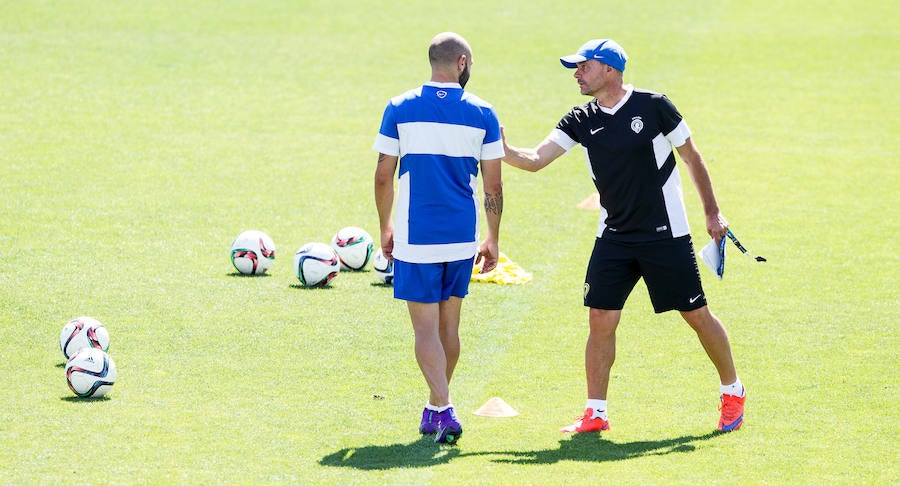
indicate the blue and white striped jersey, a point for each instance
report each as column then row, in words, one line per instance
column 440, row 133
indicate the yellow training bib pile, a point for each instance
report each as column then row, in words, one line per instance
column 507, row 272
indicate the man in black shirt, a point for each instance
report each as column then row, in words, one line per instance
column 627, row 135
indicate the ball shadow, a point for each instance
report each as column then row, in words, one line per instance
column 244, row 275
column 312, row 289
column 75, row 399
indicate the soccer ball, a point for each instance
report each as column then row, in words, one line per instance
column 353, row 246
column 316, row 264
column 252, row 252
column 83, row 332
column 384, row 268
column 90, row 373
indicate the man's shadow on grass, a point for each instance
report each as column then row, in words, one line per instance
column 594, row 448
column 421, row 453
column 580, row 447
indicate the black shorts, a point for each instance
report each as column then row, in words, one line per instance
column 669, row 269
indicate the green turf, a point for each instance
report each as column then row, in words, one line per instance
column 138, row 138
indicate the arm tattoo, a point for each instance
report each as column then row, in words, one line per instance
column 493, row 203
column 381, row 157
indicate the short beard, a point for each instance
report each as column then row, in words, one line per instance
column 464, row 76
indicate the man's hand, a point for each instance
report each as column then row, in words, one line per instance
column 387, row 243
column 716, row 226
column 488, row 254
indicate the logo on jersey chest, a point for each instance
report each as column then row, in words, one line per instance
column 637, row 124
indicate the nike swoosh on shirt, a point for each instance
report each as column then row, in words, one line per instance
column 595, row 130
column 695, row 299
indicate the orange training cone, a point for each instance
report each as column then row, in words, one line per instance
column 496, row 407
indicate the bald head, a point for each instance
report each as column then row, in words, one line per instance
column 450, row 57
column 446, row 48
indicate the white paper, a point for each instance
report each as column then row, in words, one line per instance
column 712, row 258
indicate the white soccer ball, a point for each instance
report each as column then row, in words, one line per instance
column 316, row 264
column 252, row 252
column 90, row 373
column 83, row 332
column 384, row 268
column 353, row 246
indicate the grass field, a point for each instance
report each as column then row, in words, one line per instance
column 137, row 138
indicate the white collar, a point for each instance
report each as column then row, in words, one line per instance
column 612, row 111
column 436, row 84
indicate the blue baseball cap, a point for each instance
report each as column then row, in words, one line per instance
column 606, row 51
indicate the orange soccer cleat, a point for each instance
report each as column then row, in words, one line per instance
column 587, row 423
column 732, row 408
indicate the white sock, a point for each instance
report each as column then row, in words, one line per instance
column 445, row 407
column 599, row 407
column 429, row 406
column 735, row 389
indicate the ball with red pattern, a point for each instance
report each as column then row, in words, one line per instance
column 83, row 332
column 252, row 252
column 316, row 265
column 354, row 247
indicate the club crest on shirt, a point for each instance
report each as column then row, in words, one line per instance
column 637, row 124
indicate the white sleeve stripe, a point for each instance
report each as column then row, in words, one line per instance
column 680, row 134
column 387, row 145
column 560, row 138
column 493, row 150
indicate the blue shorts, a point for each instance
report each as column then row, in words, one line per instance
column 432, row 282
